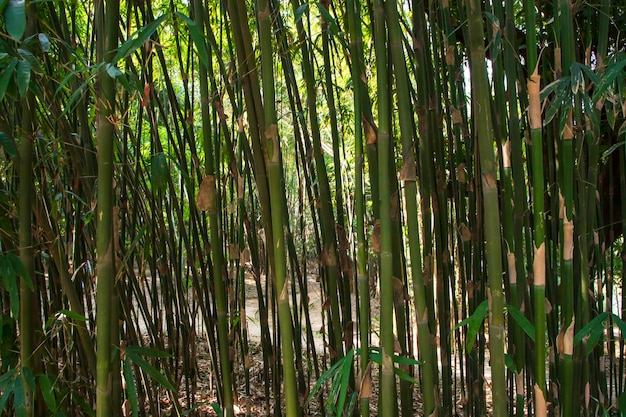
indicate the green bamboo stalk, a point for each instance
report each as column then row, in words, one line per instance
column 481, row 111
column 277, row 195
column 388, row 402
column 516, row 257
column 329, row 236
column 28, row 322
column 107, row 18
column 409, row 178
column 214, row 209
column 356, row 41
column 539, row 261
column 423, row 57
column 566, row 190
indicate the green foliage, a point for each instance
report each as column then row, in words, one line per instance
column 338, row 376
column 11, row 267
column 15, row 18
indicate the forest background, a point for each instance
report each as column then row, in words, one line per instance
column 448, row 175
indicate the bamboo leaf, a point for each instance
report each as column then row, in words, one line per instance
column 47, row 392
column 131, row 388
column 197, row 37
column 150, row 370
column 7, row 387
column 621, row 325
column 7, row 76
column 596, row 322
column 594, row 338
column 521, row 321
column 344, row 381
column 19, row 398
column 159, row 171
column 8, row 144
column 23, row 77
column 300, row 11
column 137, row 39
column 607, row 79
column 613, row 147
column 44, row 41
column 32, row 60
column 15, row 18
column 510, row 363
column 577, row 79
column 20, row 269
column 332, row 23
column 473, row 323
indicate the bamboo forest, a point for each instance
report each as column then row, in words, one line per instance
column 312, row 208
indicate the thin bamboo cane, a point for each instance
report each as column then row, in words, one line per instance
column 481, row 111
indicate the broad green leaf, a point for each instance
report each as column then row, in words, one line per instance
column 159, row 171
column 496, row 33
column 131, row 389
column 23, row 77
column 112, row 70
column 6, row 76
column 612, row 149
column 19, row 397
column 606, row 81
column 587, row 328
column 20, row 269
column 324, row 378
column 8, row 388
column 509, row 363
column 473, row 323
column 218, row 410
column 72, row 315
column 15, row 18
column 137, row 39
column 403, row 375
column 32, row 60
column 577, row 79
column 150, row 370
column 44, row 41
column 47, row 391
column 621, row 325
column 197, row 37
column 522, row 321
column 8, row 145
column 594, row 338
column 345, row 381
column 300, row 11
column 332, row 23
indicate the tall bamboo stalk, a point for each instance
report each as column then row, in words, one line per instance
column 356, row 40
column 214, row 208
column 539, row 260
column 277, row 195
column 106, row 405
column 28, row 297
column 388, row 402
column 481, row 111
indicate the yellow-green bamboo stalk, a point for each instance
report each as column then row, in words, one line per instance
column 481, row 113
column 566, row 214
column 388, row 402
column 107, row 18
column 214, row 210
column 356, row 40
column 539, row 260
column 277, row 196
column 409, row 178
